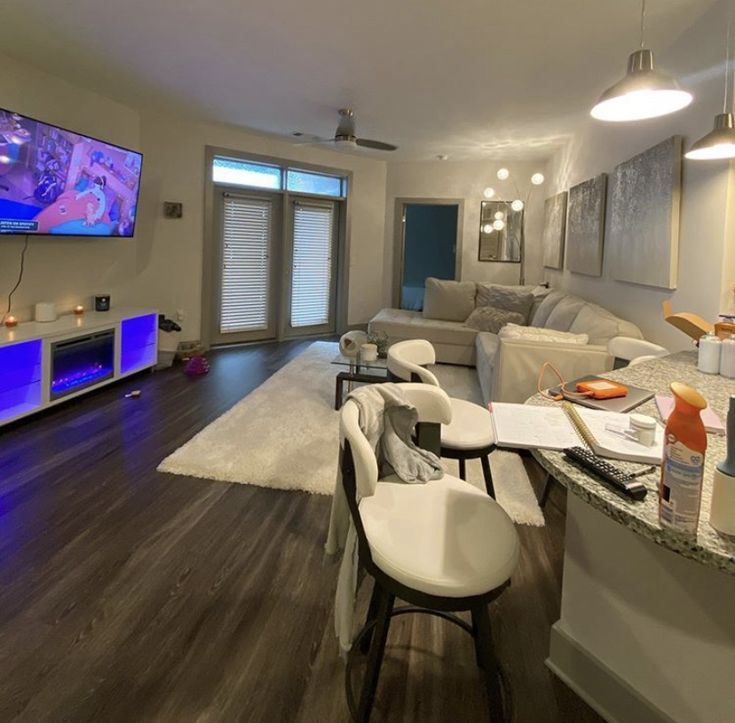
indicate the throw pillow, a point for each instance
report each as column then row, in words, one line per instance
column 488, row 318
column 510, row 298
column 448, row 300
column 534, row 333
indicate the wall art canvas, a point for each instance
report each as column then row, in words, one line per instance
column 586, row 226
column 555, row 216
column 643, row 232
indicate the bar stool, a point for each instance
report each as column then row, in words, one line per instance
column 470, row 434
column 442, row 547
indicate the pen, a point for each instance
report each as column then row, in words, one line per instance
column 642, row 472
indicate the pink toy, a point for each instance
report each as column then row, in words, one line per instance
column 196, row 366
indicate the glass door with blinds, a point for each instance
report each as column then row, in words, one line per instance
column 245, row 268
column 312, row 252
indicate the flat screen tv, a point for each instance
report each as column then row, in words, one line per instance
column 55, row 181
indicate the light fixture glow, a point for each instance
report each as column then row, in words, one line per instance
column 644, row 92
column 517, row 205
column 498, row 225
column 503, row 173
column 537, row 179
column 488, row 192
column 719, row 143
column 499, row 216
column 487, row 228
column 4, row 159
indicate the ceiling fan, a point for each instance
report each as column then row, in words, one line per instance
column 345, row 135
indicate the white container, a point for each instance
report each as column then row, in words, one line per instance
column 722, row 512
column 727, row 358
column 45, row 311
column 710, row 347
column 368, row 352
column 644, row 429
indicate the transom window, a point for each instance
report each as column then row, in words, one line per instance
column 252, row 174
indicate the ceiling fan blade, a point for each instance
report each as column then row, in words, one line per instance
column 376, row 145
column 314, row 141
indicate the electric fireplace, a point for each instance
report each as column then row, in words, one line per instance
column 81, row 362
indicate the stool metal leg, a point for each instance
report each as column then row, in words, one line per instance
column 462, row 470
column 371, row 613
column 375, row 656
column 486, row 653
column 485, row 462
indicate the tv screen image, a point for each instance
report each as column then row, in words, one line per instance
column 54, row 181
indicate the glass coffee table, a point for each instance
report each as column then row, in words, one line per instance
column 357, row 372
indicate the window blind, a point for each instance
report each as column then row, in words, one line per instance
column 311, row 280
column 245, row 264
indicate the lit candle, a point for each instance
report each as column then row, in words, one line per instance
column 78, row 309
column 10, row 322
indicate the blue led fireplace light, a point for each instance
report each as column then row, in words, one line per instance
column 80, row 377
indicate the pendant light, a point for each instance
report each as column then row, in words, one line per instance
column 720, row 142
column 644, row 92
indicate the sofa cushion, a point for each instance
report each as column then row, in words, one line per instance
column 486, row 349
column 533, row 333
column 401, row 324
column 448, row 300
column 488, row 318
column 601, row 325
column 509, row 298
column 564, row 313
column 545, row 308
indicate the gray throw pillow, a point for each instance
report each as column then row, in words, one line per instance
column 510, row 298
column 488, row 318
column 448, row 300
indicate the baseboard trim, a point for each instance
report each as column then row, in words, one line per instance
column 601, row 688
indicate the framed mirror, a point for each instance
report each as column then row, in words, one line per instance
column 501, row 233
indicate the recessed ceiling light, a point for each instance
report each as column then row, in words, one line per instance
column 488, row 192
column 503, row 173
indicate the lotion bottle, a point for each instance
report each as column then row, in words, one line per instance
column 682, row 469
column 722, row 513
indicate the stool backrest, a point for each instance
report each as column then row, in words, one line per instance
column 634, row 351
column 433, row 407
column 407, row 359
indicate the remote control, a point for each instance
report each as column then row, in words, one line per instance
column 621, row 482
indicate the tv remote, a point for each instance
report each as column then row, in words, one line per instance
column 621, row 482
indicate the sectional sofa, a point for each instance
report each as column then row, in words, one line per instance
column 574, row 335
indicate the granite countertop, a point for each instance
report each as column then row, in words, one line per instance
column 709, row 546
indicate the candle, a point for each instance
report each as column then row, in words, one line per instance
column 11, row 321
column 78, row 309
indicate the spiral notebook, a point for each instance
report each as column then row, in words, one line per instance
column 524, row 426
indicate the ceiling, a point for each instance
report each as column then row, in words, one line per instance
column 469, row 79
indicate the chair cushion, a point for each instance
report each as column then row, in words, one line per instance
column 448, row 300
column 471, row 426
column 443, row 538
column 401, row 324
column 489, row 318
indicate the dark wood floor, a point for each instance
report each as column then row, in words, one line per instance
column 129, row 595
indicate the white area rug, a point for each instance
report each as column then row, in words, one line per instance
column 285, row 435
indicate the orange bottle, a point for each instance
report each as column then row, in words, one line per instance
column 685, row 442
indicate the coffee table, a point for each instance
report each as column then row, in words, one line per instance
column 358, row 371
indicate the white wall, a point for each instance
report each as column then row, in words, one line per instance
column 466, row 180
column 706, row 259
column 162, row 265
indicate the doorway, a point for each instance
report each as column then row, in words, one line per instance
column 429, row 231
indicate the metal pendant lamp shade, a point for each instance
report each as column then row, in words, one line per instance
column 718, row 143
column 643, row 93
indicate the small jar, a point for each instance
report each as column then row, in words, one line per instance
column 644, row 429
column 727, row 358
column 710, row 346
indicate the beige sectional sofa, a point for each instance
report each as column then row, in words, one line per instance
column 508, row 368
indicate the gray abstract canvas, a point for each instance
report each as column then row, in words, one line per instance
column 555, row 216
column 643, row 235
column 586, row 226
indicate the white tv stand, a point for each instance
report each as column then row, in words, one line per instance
column 43, row 364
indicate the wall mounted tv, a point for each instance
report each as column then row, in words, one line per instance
column 55, row 181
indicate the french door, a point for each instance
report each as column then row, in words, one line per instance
column 246, row 268
column 311, row 250
column 274, row 272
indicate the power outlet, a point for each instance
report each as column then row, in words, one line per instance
column 179, row 314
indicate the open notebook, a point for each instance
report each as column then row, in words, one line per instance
column 533, row 427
